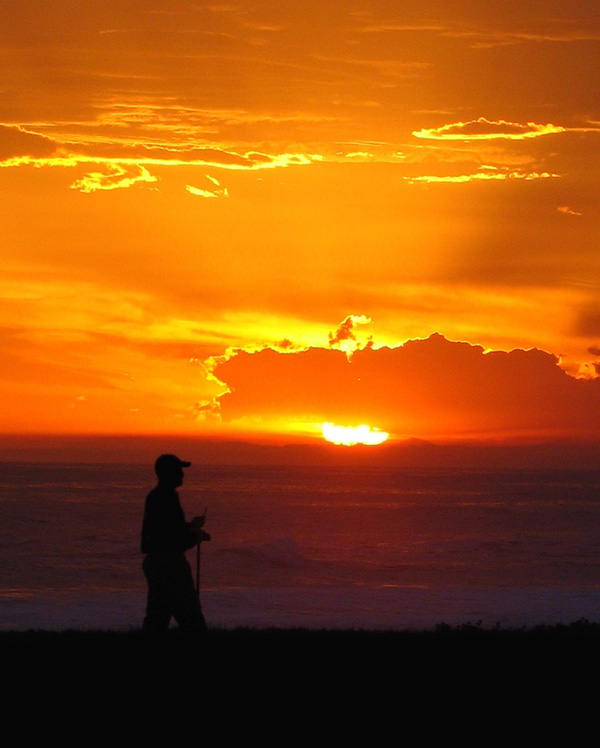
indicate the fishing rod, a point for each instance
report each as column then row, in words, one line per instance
column 198, row 556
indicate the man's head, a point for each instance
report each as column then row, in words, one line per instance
column 169, row 470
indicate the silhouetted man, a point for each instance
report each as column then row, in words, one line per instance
column 166, row 536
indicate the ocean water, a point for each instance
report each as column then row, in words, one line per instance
column 302, row 546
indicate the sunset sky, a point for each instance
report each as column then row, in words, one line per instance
column 255, row 217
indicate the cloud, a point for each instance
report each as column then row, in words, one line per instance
column 568, row 211
column 199, row 192
column 488, row 36
column 128, row 163
column 126, row 153
column 487, row 39
column 344, row 338
column 118, row 177
column 484, row 129
column 482, row 176
column 16, row 141
column 422, row 388
column 386, row 26
column 165, row 118
column 390, row 67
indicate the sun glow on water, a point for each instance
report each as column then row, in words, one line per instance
column 352, row 435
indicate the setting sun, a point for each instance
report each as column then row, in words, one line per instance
column 349, row 436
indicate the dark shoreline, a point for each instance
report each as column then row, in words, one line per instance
column 576, row 630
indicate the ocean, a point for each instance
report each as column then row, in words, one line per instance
column 339, row 547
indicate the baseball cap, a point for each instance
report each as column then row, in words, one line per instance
column 167, row 462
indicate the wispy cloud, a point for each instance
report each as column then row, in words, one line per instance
column 199, row 192
column 566, row 210
column 16, row 140
column 485, row 39
column 389, row 26
column 486, row 35
column 483, row 176
column 485, row 129
column 388, row 67
column 127, row 162
column 117, row 177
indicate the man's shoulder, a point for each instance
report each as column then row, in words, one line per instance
column 161, row 494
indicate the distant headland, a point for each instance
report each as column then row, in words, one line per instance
column 213, row 451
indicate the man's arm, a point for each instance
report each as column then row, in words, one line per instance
column 196, row 526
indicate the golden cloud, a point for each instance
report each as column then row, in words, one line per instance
column 118, row 177
column 199, row 192
column 484, row 129
column 483, row 176
column 128, row 163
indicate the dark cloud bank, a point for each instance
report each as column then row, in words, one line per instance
column 425, row 387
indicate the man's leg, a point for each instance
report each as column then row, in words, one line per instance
column 159, row 605
column 186, row 605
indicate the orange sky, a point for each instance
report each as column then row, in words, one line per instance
column 205, row 198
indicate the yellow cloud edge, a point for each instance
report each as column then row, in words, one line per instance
column 447, row 132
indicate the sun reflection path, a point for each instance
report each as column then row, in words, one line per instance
column 352, row 435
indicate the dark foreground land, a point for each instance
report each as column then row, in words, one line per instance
column 273, row 681
column 577, row 631
column 303, row 645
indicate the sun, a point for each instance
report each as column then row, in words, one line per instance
column 349, row 436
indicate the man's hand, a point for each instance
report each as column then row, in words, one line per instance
column 196, row 525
